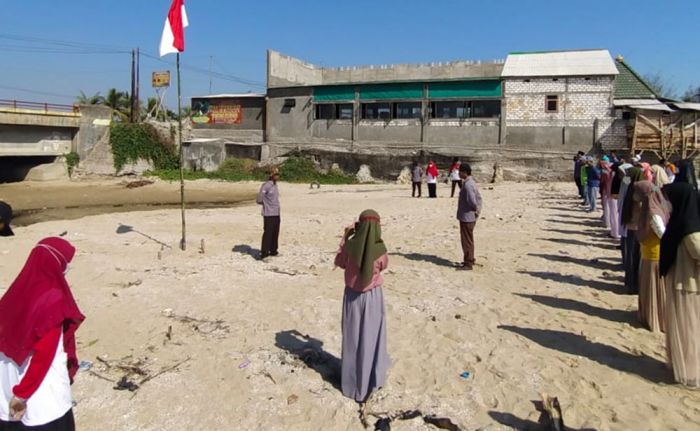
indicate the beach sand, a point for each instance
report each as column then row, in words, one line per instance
column 542, row 312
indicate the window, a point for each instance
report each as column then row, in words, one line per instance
column 551, row 104
column 344, row 111
column 376, row 111
column 455, row 109
column 325, row 111
column 486, row 109
column 407, row 110
column 333, row 111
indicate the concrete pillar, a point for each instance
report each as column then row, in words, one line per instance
column 503, row 124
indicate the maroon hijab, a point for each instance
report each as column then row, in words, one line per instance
column 38, row 301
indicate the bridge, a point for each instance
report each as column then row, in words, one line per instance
column 31, row 129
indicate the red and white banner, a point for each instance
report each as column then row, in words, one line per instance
column 173, row 39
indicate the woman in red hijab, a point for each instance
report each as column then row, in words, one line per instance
column 432, row 172
column 38, row 320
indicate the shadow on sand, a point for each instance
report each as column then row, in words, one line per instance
column 643, row 366
column 542, row 424
column 310, row 351
column 581, row 243
column 621, row 316
column 592, row 263
column 246, row 249
column 576, row 281
column 418, row 257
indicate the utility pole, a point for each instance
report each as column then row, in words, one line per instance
column 211, row 58
column 137, row 96
column 133, row 84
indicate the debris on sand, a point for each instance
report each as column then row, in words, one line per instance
column 138, row 183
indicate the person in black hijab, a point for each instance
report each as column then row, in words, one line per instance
column 686, row 173
column 5, row 219
column 685, row 219
column 630, row 220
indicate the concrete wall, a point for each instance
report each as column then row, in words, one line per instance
column 294, row 122
column 564, row 139
column 286, row 71
column 405, row 131
column 252, row 114
column 203, row 156
column 17, row 140
column 94, row 125
column 332, row 129
column 462, row 133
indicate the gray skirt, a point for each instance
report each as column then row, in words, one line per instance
column 364, row 359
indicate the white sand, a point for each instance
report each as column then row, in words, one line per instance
column 577, row 339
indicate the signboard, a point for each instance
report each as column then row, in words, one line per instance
column 208, row 111
column 160, row 79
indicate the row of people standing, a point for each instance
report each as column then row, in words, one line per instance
column 657, row 221
column 432, row 174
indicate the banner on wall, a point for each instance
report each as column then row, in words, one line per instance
column 206, row 111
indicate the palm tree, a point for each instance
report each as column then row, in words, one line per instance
column 84, row 99
column 120, row 102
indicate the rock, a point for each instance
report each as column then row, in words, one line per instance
column 48, row 172
column 364, row 175
column 335, row 167
column 404, row 177
column 497, row 173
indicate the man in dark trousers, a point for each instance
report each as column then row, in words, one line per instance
column 468, row 210
column 269, row 198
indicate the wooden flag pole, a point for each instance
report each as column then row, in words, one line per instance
column 183, row 241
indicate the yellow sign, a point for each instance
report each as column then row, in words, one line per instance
column 161, row 79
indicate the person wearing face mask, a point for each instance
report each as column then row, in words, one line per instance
column 38, row 361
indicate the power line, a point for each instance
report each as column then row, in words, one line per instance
column 41, row 93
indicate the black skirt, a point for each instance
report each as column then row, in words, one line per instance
column 64, row 423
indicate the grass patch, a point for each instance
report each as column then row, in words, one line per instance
column 295, row 169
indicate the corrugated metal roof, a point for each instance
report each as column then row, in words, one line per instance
column 229, row 96
column 687, row 106
column 637, row 102
column 560, row 63
column 652, row 107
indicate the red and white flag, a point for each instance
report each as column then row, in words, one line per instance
column 173, row 39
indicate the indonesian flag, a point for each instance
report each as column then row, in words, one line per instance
column 173, row 39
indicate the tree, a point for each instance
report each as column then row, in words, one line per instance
column 84, row 99
column 660, row 85
column 692, row 94
column 120, row 102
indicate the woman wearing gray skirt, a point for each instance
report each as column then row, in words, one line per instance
column 363, row 256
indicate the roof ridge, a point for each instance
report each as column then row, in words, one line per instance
column 554, row 51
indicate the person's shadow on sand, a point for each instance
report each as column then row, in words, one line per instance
column 418, row 257
column 542, row 424
column 310, row 351
column 642, row 365
column 246, row 249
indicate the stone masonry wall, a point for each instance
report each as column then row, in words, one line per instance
column 581, row 101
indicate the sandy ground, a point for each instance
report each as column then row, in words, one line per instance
column 543, row 313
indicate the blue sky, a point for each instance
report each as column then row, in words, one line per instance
column 654, row 37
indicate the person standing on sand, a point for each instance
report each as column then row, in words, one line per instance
column 5, row 219
column 269, row 198
column 416, row 179
column 432, row 172
column 578, row 159
column 653, row 217
column 630, row 221
column 468, row 210
column 38, row 321
column 593, row 184
column 364, row 358
column 680, row 264
column 454, row 176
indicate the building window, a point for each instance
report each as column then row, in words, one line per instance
column 325, row 111
column 453, row 109
column 376, row 111
column 344, row 111
column 332, row 111
column 551, row 104
column 407, row 110
column 486, row 108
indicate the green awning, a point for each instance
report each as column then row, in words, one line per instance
column 464, row 89
column 411, row 90
column 334, row 93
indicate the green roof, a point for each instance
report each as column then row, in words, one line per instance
column 629, row 85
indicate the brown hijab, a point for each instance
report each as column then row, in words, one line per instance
column 653, row 202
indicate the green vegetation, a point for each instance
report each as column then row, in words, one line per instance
column 72, row 160
column 295, row 169
column 134, row 141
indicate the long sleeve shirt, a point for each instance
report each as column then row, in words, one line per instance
column 44, row 353
column 269, row 198
column 353, row 279
column 593, row 176
column 469, row 201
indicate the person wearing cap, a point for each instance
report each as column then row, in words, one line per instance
column 269, row 198
column 5, row 219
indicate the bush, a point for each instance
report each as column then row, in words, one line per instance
column 72, row 160
column 133, row 141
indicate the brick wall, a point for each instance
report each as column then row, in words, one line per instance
column 581, row 101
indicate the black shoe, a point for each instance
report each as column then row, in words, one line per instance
column 274, row 253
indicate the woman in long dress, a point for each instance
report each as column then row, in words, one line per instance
column 680, row 263
column 629, row 219
column 38, row 320
column 654, row 215
column 364, row 359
